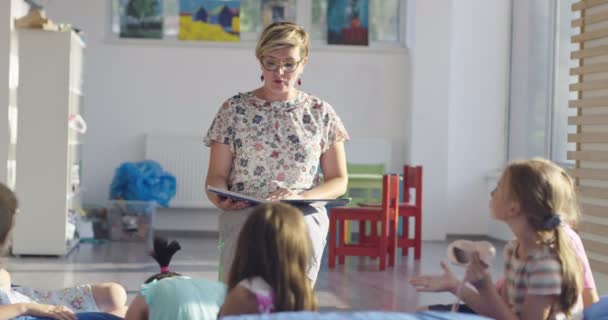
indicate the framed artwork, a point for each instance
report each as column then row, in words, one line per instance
column 277, row 11
column 348, row 22
column 141, row 19
column 210, row 20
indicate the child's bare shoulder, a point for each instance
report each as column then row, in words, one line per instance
column 239, row 300
column 5, row 279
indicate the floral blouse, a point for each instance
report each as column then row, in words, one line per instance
column 276, row 144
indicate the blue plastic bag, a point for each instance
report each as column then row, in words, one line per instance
column 143, row 181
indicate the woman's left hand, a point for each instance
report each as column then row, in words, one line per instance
column 281, row 194
column 477, row 272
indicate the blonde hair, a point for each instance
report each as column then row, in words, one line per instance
column 275, row 246
column 8, row 209
column 281, row 35
column 543, row 191
column 567, row 206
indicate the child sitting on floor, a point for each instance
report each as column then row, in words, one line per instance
column 109, row 297
column 169, row 295
column 543, row 279
column 269, row 269
column 570, row 212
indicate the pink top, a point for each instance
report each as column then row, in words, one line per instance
column 262, row 291
column 579, row 250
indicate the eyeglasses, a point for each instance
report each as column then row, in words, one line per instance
column 272, row 64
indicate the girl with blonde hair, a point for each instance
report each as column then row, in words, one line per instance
column 543, row 279
column 269, row 269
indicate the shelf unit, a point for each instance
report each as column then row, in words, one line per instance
column 9, row 65
column 48, row 152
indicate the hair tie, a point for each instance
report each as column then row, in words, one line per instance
column 552, row 222
column 164, row 269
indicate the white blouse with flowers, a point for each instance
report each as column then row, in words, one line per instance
column 275, row 144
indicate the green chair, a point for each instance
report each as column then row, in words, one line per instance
column 364, row 186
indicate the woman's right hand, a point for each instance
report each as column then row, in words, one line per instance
column 445, row 282
column 220, row 166
column 50, row 311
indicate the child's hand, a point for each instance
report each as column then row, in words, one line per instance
column 445, row 282
column 50, row 311
column 477, row 272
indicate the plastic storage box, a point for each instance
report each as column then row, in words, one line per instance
column 131, row 220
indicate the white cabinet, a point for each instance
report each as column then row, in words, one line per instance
column 9, row 65
column 48, row 150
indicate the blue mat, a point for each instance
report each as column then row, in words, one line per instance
column 359, row 315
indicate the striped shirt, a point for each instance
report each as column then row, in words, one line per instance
column 538, row 274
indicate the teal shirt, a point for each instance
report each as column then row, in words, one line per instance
column 183, row 298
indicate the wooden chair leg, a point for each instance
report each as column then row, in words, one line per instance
column 418, row 236
column 362, row 236
column 331, row 256
column 394, row 241
column 342, row 228
column 405, row 236
column 373, row 230
column 383, row 246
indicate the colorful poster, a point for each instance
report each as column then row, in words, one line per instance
column 347, row 22
column 277, row 11
column 141, row 19
column 213, row 20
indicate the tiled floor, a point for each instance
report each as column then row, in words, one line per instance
column 356, row 285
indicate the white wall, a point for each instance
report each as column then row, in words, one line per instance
column 518, row 143
column 446, row 111
column 460, row 72
column 429, row 108
column 479, row 93
column 132, row 89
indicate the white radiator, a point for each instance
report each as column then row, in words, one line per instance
column 187, row 158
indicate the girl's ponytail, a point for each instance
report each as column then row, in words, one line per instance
column 571, row 271
column 162, row 253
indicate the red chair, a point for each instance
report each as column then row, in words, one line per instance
column 412, row 179
column 386, row 215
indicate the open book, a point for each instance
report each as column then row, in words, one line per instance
column 253, row 200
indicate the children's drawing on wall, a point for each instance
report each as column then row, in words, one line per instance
column 213, row 20
column 141, row 19
column 347, row 22
column 277, row 11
